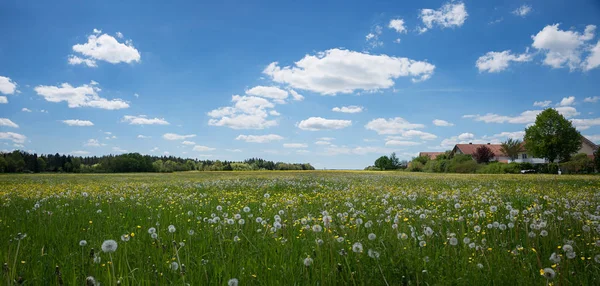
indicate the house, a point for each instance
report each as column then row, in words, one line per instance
column 431, row 155
column 587, row 147
column 469, row 149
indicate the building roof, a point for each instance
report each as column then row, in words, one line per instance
column 431, row 155
column 469, row 149
column 589, row 142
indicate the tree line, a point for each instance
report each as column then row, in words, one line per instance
column 24, row 162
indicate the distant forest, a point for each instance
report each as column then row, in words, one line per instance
column 24, row 162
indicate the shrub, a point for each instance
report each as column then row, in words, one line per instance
column 416, row 166
column 464, row 167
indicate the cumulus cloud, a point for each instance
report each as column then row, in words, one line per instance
column 294, row 145
column 77, row 122
column 25, row 109
column 7, row 86
column 7, row 122
column 319, row 123
column 278, row 95
column 360, row 150
column 499, row 61
column 104, row 48
column 513, row 135
column 348, row 109
column 402, row 143
column 523, row 10
column 201, row 148
column 14, row 137
column 565, row 48
column 440, row 122
column 259, row 138
column 395, row 125
column 143, row 120
column 397, row 25
column 248, row 112
column 93, row 143
column 583, row 124
column 143, row 136
column 466, row 138
column 567, row 101
column 342, row 71
column 188, row 143
column 451, row 14
column 524, row 118
column 119, row 150
column 81, row 96
column 542, row 103
column 372, row 38
column 593, row 99
column 173, row 136
column 296, row 96
column 410, row 134
column 3, row 99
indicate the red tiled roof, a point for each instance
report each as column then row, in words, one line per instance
column 431, row 155
column 469, row 149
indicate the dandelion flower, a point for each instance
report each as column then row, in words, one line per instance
column 151, row 230
column 174, row 265
column 191, row 232
column 567, row 248
column 555, row 258
column 171, row 228
column 372, row 236
column 453, row 241
column 317, row 228
column 548, row 273
column 373, row 254
column 232, row 282
column 308, row 261
column 357, row 247
column 109, row 246
column 83, row 243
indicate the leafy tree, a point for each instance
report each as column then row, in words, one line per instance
column 41, row 164
column 511, row 148
column 421, row 159
column 394, row 161
column 383, row 162
column 552, row 137
column 597, row 159
column 483, row 154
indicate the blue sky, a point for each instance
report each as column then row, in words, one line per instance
column 333, row 83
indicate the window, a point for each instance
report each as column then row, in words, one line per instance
column 523, row 156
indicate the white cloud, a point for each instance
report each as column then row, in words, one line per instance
column 201, row 148
column 173, row 136
column 398, row 25
column 75, row 60
column 542, row 103
column 342, row 71
column 395, row 125
column 466, row 136
column 514, row 135
column 593, row 138
column 14, row 137
column 583, row 124
column 565, row 47
column 523, row 118
column 296, row 96
column 143, row 120
column 119, row 150
column 188, row 143
column 278, row 95
column 136, row 95
column 294, row 145
column 155, row 149
column 259, row 138
column 451, row 14
column 274, row 113
column 372, row 38
column 410, row 134
column 499, row 61
column 77, row 122
column 566, row 101
column 592, row 99
column 360, row 150
column 523, row 10
column 403, row 143
column 348, row 109
column 81, row 96
column 248, row 112
column 321, row 142
column 119, row 35
column 440, row 122
column 25, row 109
column 93, row 143
column 143, row 136
column 7, row 86
column 80, row 153
column 319, row 123
column 3, row 99
column 593, row 60
column 234, row 150
column 8, row 122
column 104, row 48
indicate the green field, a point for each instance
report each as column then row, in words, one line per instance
column 300, row 228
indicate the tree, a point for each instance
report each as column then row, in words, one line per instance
column 597, row 159
column 41, row 164
column 511, row 148
column 394, row 161
column 383, row 162
column 483, row 154
column 552, row 137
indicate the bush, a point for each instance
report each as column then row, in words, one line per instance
column 415, row 167
column 527, row 166
column 464, row 167
column 492, row 168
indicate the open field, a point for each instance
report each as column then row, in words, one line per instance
column 300, row 228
